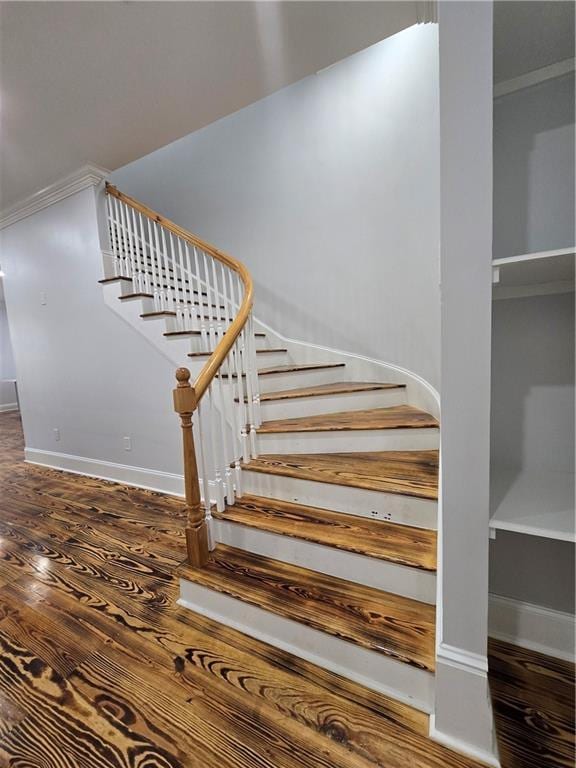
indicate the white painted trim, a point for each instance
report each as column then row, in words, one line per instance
column 533, row 78
column 488, row 758
column 534, row 256
column 534, row 289
column 5, row 407
column 532, row 626
column 88, row 175
column 466, row 661
column 150, row 479
column 397, row 368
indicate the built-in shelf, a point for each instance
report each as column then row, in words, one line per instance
column 534, row 274
column 537, row 503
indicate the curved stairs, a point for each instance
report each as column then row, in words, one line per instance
column 329, row 552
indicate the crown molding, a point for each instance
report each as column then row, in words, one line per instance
column 427, row 11
column 89, row 175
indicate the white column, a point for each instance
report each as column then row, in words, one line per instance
column 463, row 716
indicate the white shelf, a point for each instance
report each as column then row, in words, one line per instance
column 534, row 503
column 534, row 274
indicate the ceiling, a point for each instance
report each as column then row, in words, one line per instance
column 529, row 34
column 108, row 82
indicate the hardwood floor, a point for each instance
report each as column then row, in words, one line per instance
column 100, row 668
column 533, row 698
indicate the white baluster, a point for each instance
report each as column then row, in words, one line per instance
column 112, row 230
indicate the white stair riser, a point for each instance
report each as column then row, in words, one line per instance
column 374, row 670
column 350, row 401
column 349, row 441
column 277, row 381
column 405, row 510
column 381, row 574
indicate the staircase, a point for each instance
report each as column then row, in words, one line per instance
column 311, row 487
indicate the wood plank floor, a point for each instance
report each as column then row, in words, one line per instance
column 533, row 698
column 99, row 668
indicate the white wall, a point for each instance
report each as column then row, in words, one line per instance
column 328, row 191
column 534, row 168
column 81, row 369
column 7, row 367
column 533, row 383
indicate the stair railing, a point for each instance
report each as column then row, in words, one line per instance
column 206, row 290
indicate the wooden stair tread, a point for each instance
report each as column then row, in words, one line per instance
column 117, row 279
column 183, row 333
column 408, row 473
column 393, row 417
column 292, row 368
column 162, row 313
column 136, row 296
column 395, row 626
column 403, row 544
column 337, row 388
column 258, row 352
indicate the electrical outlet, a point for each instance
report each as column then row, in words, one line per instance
column 127, row 444
column 56, row 434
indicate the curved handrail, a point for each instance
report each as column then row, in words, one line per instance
column 225, row 344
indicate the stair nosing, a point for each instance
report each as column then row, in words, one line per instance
column 299, row 425
column 295, row 368
column 419, row 493
column 258, row 522
column 267, row 397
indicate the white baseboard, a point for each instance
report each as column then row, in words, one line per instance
column 5, row 407
column 483, row 756
column 532, row 626
column 463, row 718
column 150, row 479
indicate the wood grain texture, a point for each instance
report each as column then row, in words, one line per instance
column 100, row 668
column 395, row 626
column 411, row 473
column 258, row 352
column 406, row 545
column 533, row 699
column 393, row 417
column 291, row 368
column 163, row 313
column 337, row 388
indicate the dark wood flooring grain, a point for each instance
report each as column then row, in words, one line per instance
column 382, row 622
column 100, row 668
column 533, row 697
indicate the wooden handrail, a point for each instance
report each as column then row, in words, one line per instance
column 187, row 397
column 224, row 346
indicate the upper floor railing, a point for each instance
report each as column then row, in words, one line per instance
column 210, row 293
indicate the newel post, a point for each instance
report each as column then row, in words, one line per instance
column 196, row 531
